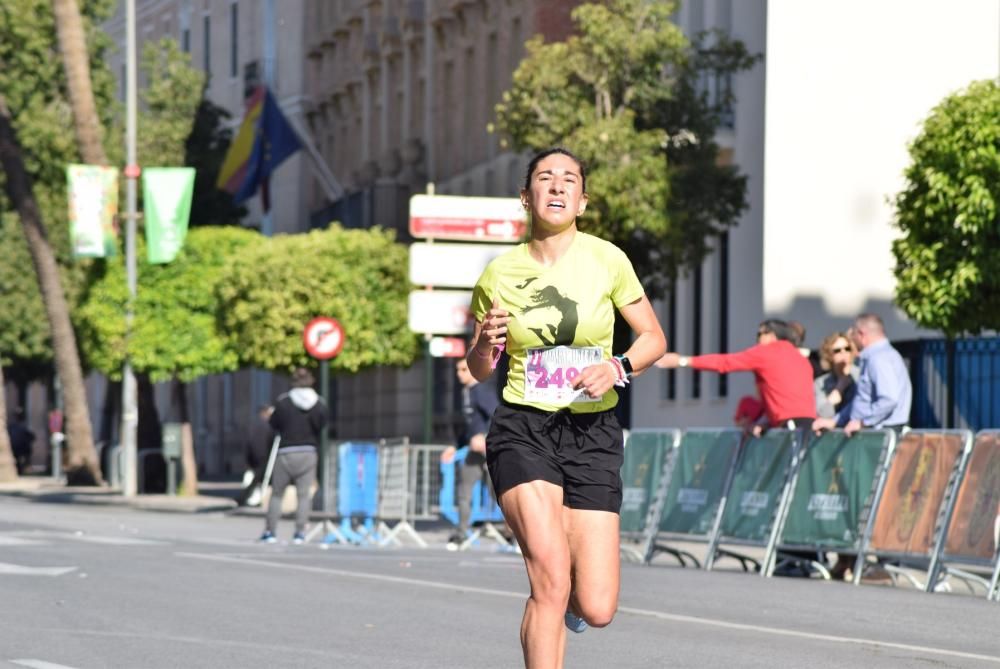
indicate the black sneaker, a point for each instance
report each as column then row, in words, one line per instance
column 455, row 542
column 268, row 538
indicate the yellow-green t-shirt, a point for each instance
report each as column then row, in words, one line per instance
column 569, row 304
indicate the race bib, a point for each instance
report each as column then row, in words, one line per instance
column 549, row 373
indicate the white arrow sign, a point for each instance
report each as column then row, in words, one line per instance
column 440, row 311
column 454, row 265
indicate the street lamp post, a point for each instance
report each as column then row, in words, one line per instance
column 130, row 414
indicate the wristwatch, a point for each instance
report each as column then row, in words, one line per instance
column 683, row 361
column 626, row 365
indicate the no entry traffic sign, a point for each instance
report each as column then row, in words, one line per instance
column 323, row 338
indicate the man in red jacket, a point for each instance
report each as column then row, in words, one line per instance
column 784, row 377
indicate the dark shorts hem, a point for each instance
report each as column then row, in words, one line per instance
column 581, row 453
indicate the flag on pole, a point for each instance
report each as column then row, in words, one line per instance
column 93, row 202
column 166, row 204
column 264, row 141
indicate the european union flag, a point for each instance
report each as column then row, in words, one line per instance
column 274, row 141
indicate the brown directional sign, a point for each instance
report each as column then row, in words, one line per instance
column 971, row 532
column 913, row 492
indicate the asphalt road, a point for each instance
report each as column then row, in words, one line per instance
column 84, row 587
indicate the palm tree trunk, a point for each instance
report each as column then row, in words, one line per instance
column 189, row 464
column 8, row 469
column 76, row 63
column 81, row 463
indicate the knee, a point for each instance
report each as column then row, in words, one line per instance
column 551, row 585
column 599, row 616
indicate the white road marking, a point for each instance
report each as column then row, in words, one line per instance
column 673, row 617
column 19, row 570
column 39, row 664
column 9, row 540
column 100, row 539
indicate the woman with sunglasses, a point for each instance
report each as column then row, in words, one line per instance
column 835, row 389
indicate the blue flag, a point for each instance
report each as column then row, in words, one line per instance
column 274, row 141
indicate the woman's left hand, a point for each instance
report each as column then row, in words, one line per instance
column 596, row 379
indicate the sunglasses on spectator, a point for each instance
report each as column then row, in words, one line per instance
column 840, row 350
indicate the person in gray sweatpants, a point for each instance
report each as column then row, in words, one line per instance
column 298, row 419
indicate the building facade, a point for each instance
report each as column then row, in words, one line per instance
column 821, row 128
column 398, row 94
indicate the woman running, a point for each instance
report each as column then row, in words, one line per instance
column 554, row 449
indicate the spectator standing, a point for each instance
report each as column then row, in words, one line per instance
column 784, row 376
column 884, row 391
column 479, row 401
column 835, row 389
column 799, row 339
column 21, row 441
column 298, row 418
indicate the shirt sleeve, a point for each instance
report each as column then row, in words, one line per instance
column 625, row 285
column 482, row 294
column 485, row 404
column 746, row 360
column 885, row 391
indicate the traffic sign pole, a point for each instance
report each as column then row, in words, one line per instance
column 428, row 390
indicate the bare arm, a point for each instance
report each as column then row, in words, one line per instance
column 489, row 333
column 650, row 343
column 644, row 351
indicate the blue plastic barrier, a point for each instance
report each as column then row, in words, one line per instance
column 484, row 507
column 357, row 489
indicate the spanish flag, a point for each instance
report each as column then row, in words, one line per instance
column 265, row 139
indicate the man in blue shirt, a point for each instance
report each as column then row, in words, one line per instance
column 884, row 391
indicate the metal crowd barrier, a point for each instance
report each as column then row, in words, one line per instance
column 375, row 489
column 836, row 489
column 916, row 503
column 756, row 498
column 971, row 536
column 484, row 510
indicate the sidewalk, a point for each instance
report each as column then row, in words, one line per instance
column 49, row 490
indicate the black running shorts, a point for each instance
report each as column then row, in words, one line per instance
column 581, row 452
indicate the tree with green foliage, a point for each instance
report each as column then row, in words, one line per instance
column 175, row 335
column 36, row 150
column 205, row 150
column 948, row 258
column 358, row 277
column 625, row 93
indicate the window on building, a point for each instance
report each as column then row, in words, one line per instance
column 697, row 288
column 516, row 43
column 186, row 40
column 206, row 45
column 469, row 108
column 234, row 43
column 723, row 343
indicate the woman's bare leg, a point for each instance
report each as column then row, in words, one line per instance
column 534, row 512
column 593, row 545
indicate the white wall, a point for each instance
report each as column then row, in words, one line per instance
column 848, row 85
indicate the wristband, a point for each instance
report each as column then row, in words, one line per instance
column 487, row 356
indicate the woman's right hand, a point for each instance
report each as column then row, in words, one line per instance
column 493, row 331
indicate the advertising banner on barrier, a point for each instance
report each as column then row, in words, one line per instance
column 836, row 479
column 641, row 473
column 914, row 488
column 92, row 192
column 696, row 485
column 971, row 533
column 756, row 487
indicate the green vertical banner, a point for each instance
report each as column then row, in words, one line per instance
column 836, row 479
column 703, row 461
column 641, row 473
column 92, row 193
column 166, row 202
column 756, row 487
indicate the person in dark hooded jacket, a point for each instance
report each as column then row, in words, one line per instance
column 298, row 418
